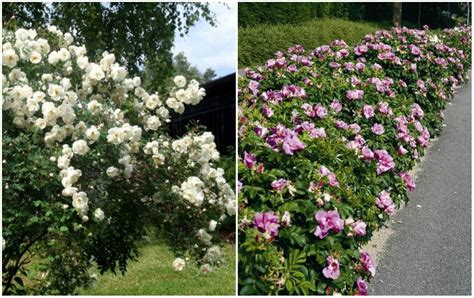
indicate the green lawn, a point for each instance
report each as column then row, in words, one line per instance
column 152, row 274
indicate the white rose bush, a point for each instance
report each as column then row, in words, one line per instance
column 89, row 167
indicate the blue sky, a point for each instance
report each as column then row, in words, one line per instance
column 215, row 47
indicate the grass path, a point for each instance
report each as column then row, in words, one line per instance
column 152, row 274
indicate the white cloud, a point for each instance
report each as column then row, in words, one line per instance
column 215, row 47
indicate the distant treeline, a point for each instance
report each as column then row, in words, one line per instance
column 436, row 15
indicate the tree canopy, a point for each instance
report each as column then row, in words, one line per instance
column 182, row 66
column 135, row 32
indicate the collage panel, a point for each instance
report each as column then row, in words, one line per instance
column 118, row 150
column 343, row 108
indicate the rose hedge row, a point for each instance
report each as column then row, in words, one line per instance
column 326, row 138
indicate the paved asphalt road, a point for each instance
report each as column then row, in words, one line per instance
column 429, row 253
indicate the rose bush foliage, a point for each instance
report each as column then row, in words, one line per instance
column 326, row 138
column 88, row 165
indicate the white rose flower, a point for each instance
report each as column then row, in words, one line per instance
column 137, row 81
column 178, row 264
column 94, row 107
column 82, row 62
column 69, row 191
column 118, row 73
column 43, row 46
column 52, row 29
column 153, row 122
column 47, row 77
column 180, row 81
column 63, row 162
column 152, row 102
column 39, row 96
column 9, row 58
column 15, row 75
column 95, row 72
column 107, row 61
column 35, row 57
column 50, row 112
column 212, row 225
column 136, row 134
column 40, row 123
column 80, row 201
column 230, row 207
column 64, row 55
column 114, row 136
column 172, row 103
column 163, row 112
column 191, row 190
column 21, row 34
column 183, row 96
column 92, row 133
column 68, row 37
column 113, row 172
column 99, row 214
column 204, row 236
column 180, row 108
column 55, row 91
column 53, row 58
column 80, row 147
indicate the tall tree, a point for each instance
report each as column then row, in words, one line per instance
column 181, row 66
column 208, row 75
column 135, row 32
column 397, row 14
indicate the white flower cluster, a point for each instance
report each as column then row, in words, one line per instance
column 153, row 148
column 192, row 95
column 201, row 150
column 192, row 191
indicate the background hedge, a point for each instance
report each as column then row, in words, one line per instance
column 258, row 43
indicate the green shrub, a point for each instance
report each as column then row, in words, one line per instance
column 258, row 43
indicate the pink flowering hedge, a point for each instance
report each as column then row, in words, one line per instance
column 326, row 140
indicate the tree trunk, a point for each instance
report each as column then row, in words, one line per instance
column 397, row 14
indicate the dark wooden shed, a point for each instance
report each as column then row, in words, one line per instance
column 216, row 112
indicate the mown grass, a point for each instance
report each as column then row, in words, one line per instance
column 152, row 274
column 259, row 43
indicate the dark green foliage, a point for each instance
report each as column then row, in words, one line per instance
column 436, row 15
column 135, row 32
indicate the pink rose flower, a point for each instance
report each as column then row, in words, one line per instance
column 332, row 269
column 328, row 221
column 249, row 160
column 279, row 184
column 368, row 111
column 384, row 202
column 378, row 129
